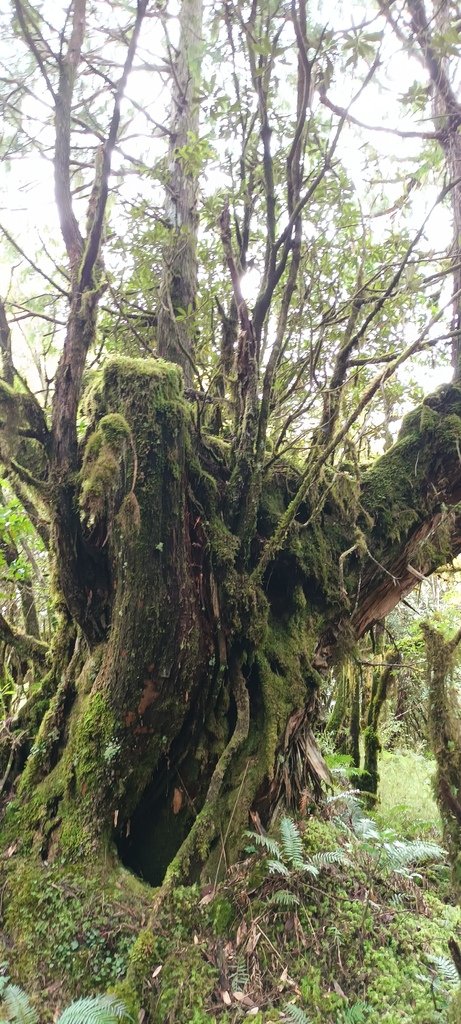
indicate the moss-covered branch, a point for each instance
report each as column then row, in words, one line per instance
column 27, row 646
column 22, row 410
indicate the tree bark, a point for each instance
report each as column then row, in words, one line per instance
column 445, row 738
column 176, row 329
column 198, row 703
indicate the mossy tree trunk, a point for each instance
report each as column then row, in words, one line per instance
column 382, row 682
column 445, row 738
column 201, row 590
column 190, row 700
column 186, row 683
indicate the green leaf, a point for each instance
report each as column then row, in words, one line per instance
column 95, row 1010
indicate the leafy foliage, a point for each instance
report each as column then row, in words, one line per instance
column 391, row 853
column 287, row 856
column 355, row 1014
column 97, row 1010
column 295, row 1015
column 15, row 1006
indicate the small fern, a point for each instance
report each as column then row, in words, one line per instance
column 403, row 854
column 356, row 1014
column 277, row 867
column 446, row 969
column 268, row 844
column 15, row 1006
column 240, row 977
column 284, row 898
column 295, row 1015
column 328, row 857
column 95, row 1010
column 292, row 844
column 287, row 856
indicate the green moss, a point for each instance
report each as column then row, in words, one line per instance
column 454, row 1012
column 129, row 517
column 103, row 472
column 429, row 418
column 221, row 914
column 319, row 835
column 72, row 927
column 223, row 543
column 96, row 733
column 187, row 981
column 114, row 428
column 146, row 953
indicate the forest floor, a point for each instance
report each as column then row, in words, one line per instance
column 341, row 918
column 345, row 918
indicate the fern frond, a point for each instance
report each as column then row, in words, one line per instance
column 401, row 854
column 283, row 898
column 364, row 828
column 356, row 1014
column 295, row 1015
column 445, row 968
column 240, row 977
column 327, row 857
column 310, row 869
column 347, row 796
column 266, row 843
column 16, row 1007
column 95, row 1010
column 277, row 867
column 292, row 844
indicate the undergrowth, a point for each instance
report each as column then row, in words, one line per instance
column 335, row 919
column 328, row 921
column 406, row 797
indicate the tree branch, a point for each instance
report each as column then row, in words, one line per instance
column 68, row 65
column 26, row 646
column 101, row 183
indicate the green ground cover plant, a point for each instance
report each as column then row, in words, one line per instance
column 337, row 918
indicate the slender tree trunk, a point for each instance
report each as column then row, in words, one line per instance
column 447, row 119
column 445, row 738
column 382, row 681
column 176, row 326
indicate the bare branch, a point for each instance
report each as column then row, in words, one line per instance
column 101, row 185
column 68, row 65
column 399, row 133
column 31, row 262
column 29, row 39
